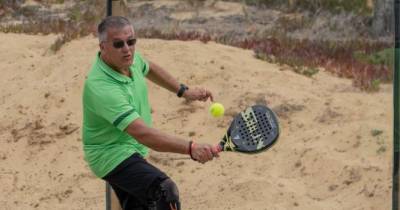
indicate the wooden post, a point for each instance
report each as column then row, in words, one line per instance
column 396, row 107
column 116, row 8
column 114, row 201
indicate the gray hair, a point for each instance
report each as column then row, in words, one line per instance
column 111, row 22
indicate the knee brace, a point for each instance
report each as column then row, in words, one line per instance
column 169, row 195
column 169, row 191
column 164, row 193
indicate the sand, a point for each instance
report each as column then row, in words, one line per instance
column 334, row 152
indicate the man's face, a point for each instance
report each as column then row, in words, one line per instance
column 119, row 48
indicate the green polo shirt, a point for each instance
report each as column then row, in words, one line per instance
column 111, row 101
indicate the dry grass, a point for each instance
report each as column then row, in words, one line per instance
column 80, row 20
column 306, row 57
column 343, row 59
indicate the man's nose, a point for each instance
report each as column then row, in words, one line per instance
column 125, row 47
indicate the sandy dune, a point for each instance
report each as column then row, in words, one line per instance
column 334, row 151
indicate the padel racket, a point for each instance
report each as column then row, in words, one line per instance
column 253, row 130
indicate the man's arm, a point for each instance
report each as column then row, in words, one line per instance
column 162, row 78
column 155, row 139
column 162, row 142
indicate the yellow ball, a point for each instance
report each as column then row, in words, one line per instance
column 217, row 110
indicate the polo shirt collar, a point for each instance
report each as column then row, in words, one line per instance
column 110, row 72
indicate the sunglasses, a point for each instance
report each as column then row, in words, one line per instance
column 120, row 44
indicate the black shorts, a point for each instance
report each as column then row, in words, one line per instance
column 134, row 182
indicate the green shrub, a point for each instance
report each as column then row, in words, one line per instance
column 384, row 57
column 334, row 6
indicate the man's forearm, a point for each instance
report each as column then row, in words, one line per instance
column 162, row 78
column 157, row 140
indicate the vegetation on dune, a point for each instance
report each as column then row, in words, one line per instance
column 368, row 63
column 80, row 19
column 362, row 7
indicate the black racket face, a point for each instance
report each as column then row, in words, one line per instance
column 253, row 130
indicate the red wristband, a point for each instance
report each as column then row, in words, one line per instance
column 191, row 145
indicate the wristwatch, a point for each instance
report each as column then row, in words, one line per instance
column 181, row 90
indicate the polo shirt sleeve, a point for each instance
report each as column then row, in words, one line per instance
column 111, row 103
column 143, row 64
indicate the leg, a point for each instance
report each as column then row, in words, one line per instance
column 165, row 194
column 131, row 181
column 112, row 202
column 124, row 200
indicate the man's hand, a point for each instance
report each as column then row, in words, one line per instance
column 200, row 94
column 203, row 152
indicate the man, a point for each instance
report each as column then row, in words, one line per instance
column 117, row 121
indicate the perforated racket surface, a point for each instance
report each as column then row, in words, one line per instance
column 252, row 130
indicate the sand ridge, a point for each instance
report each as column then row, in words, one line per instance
column 334, row 151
